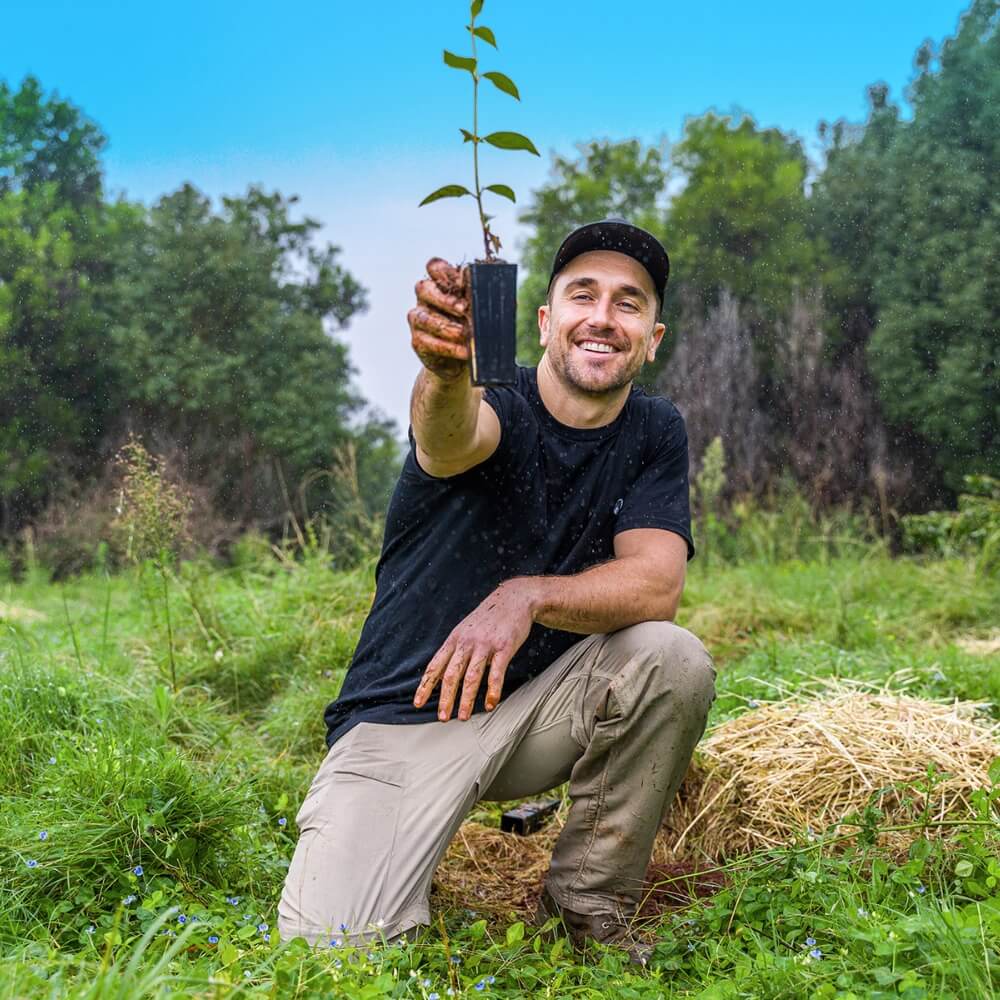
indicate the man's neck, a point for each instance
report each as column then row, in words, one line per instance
column 574, row 408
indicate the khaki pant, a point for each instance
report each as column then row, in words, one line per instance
column 617, row 715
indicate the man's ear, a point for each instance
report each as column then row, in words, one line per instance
column 654, row 342
column 543, row 325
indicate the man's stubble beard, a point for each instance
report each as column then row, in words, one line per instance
column 566, row 368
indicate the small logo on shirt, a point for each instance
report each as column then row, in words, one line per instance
column 619, row 503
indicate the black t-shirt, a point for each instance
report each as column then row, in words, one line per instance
column 548, row 501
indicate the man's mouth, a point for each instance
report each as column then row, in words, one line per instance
column 597, row 347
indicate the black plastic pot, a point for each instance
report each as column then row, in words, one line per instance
column 494, row 322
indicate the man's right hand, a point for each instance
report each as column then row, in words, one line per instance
column 441, row 322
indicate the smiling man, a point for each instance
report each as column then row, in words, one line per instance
column 522, row 630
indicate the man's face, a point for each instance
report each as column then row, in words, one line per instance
column 601, row 327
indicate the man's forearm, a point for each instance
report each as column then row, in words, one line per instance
column 444, row 414
column 604, row 598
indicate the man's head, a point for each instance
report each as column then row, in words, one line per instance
column 600, row 322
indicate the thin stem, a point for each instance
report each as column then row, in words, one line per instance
column 475, row 143
column 170, row 630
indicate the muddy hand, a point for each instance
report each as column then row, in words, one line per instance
column 440, row 323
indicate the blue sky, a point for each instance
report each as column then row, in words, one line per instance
column 349, row 104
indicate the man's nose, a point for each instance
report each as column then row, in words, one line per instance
column 602, row 312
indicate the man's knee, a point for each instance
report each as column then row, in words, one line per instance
column 670, row 659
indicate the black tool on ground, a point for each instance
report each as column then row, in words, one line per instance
column 528, row 817
column 494, row 322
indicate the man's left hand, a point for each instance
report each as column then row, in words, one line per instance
column 488, row 637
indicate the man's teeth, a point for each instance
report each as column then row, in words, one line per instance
column 590, row 345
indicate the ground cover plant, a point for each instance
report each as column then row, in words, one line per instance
column 151, row 769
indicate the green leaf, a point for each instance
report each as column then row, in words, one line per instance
column 467, row 135
column 964, row 869
column 476, row 7
column 486, row 34
column 501, row 189
column 511, row 140
column 994, row 771
column 515, row 933
column 448, row 191
column 502, row 82
column 459, row 62
column 246, row 932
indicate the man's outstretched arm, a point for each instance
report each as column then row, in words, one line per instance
column 642, row 583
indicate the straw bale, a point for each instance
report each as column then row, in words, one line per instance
column 804, row 763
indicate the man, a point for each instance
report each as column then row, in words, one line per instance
column 534, row 557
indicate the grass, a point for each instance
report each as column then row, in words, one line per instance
column 149, row 779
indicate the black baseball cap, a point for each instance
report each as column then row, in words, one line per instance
column 614, row 233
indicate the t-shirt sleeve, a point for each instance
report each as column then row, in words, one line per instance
column 660, row 497
column 510, row 408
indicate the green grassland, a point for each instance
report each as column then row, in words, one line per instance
column 151, row 766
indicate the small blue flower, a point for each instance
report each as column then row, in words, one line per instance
column 213, row 939
column 491, row 980
column 456, row 959
column 921, row 889
column 433, row 996
column 690, row 945
column 137, row 870
column 233, row 900
column 862, row 912
column 90, row 929
column 262, row 927
column 43, row 835
column 31, row 863
column 282, row 821
column 181, row 919
column 425, row 983
column 247, row 916
column 810, row 941
column 337, row 964
column 343, row 927
column 815, row 953
column 129, row 899
column 267, row 937
column 753, row 704
column 247, row 973
column 52, row 760
column 481, row 985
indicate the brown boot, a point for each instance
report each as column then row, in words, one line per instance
column 609, row 929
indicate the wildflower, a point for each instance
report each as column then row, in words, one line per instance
column 181, row 919
column 862, row 912
column 233, row 900
column 31, row 863
column 456, row 959
column 334, row 942
column 52, row 760
column 815, row 953
column 247, row 916
column 262, row 927
column 753, row 704
column 491, row 980
column 213, row 939
column 425, row 983
column 343, row 927
column 246, row 973
column 690, row 945
column 282, row 821
column 43, row 835
column 90, row 929
column 129, row 899
column 137, row 870
column 337, row 964
column 810, row 941
column 194, row 919
column 481, row 985
column 433, row 996
column 267, row 937
column 218, row 655
column 921, row 889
